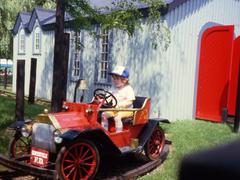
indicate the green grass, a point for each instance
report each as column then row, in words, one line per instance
column 190, row 136
column 187, row 136
column 7, row 111
column 7, row 117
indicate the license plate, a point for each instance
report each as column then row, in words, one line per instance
column 39, row 157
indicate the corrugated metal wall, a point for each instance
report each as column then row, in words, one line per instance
column 169, row 76
column 180, row 66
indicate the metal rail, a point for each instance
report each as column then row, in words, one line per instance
column 128, row 173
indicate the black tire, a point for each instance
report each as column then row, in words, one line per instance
column 154, row 146
column 79, row 160
column 146, row 154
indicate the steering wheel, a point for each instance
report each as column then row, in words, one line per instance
column 106, row 99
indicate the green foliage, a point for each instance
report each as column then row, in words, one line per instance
column 121, row 14
column 8, row 14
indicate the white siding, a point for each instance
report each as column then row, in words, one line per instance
column 168, row 77
column 88, row 58
column 180, row 65
column 26, row 57
column 45, row 66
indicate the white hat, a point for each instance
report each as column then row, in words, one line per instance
column 120, row 71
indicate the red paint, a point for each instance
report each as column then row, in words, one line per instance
column 83, row 116
column 80, row 161
column 214, row 70
column 39, row 157
column 233, row 81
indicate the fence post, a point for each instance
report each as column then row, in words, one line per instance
column 20, row 90
column 5, row 78
column 32, row 85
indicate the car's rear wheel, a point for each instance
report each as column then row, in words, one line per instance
column 79, row 160
column 155, row 144
column 19, row 146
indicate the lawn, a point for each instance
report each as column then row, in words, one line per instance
column 186, row 136
column 189, row 136
column 7, row 116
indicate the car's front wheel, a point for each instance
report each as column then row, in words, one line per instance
column 79, row 160
column 19, row 146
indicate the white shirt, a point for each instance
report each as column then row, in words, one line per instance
column 124, row 94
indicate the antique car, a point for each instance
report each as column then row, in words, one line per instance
column 71, row 144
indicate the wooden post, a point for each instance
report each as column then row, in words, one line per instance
column 57, row 86
column 20, row 90
column 32, row 85
column 65, row 65
column 5, row 78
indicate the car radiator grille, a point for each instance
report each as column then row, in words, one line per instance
column 42, row 137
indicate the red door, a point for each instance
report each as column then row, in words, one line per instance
column 214, row 70
column 233, row 80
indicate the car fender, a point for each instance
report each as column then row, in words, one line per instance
column 17, row 125
column 148, row 130
column 97, row 136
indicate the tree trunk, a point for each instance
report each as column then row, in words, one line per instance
column 58, row 76
column 65, row 65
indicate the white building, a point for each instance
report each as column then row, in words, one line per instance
column 169, row 76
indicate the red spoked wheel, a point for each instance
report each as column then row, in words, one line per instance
column 19, row 146
column 155, row 144
column 80, row 160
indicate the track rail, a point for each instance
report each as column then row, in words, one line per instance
column 126, row 168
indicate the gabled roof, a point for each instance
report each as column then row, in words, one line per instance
column 41, row 15
column 25, row 16
column 22, row 17
column 46, row 18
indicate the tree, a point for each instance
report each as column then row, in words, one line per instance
column 119, row 14
column 57, row 86
column 123, row 14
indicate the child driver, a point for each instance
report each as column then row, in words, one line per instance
column 124, row 94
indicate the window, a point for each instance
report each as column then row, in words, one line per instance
column 21, row 42
column 37, row 41
column 76, row 55
column 103, row 64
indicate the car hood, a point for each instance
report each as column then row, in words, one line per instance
column 67, row 120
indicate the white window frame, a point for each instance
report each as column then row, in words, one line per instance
column 103, row 60
column 37, row 40
column 21, row 42
column 76, row 55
